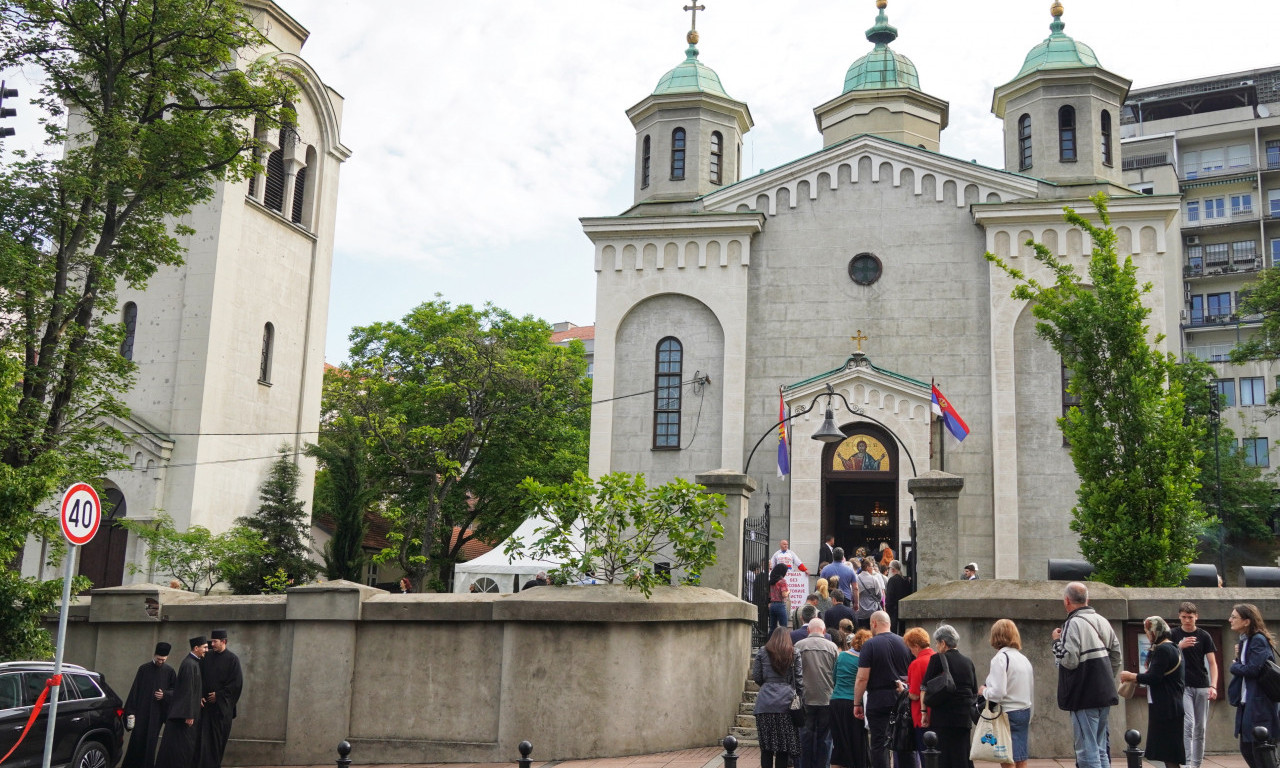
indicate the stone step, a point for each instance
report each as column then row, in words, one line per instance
column 749, row 697
column 751, row 686
column 747, row 708
column 745, row 721
column 747, row 737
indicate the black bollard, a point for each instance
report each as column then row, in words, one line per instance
column 930, row 752
column 526, row 749
column 730, row 752
column 1132, row 753
column 1264, row 749
column 344, row 752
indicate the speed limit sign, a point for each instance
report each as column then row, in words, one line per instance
column 81, row 513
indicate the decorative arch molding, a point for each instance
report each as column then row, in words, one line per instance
column 673, row 243
column 316, row 92
column 869, row 158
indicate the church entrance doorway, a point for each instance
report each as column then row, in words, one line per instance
column 102, row 559
column 860, row 489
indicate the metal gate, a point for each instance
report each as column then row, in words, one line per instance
column 755, row 557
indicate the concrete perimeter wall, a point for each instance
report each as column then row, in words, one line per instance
column 1036, row 607
column 446, row 678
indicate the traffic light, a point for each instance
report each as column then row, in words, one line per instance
column 6, row 93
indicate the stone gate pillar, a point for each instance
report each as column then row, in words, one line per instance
column 727, row 573
column 937, row 496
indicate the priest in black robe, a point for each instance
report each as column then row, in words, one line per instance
column 146, row 708
column 223, row 681
column 182, row 726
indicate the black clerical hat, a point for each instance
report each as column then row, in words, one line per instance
column 195, row 641
column 162, row 649
column 218, row 634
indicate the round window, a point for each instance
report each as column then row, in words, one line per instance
column 864, row 269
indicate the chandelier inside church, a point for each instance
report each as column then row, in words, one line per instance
column 879, row 517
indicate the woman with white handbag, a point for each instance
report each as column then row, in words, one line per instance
column 1011, row 684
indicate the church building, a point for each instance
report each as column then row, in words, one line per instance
column 229, row 346
column 852, row 279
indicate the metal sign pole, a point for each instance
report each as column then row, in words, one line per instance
column 57, row 656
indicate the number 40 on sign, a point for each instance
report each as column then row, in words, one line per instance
column 81, row 514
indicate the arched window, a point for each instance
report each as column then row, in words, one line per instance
column 677, row 155
column 264, row 364
column 130, row 328
column 1024, row 142
column 1067, row 134
column 717, row 153
column 1106, row 138
column 645, row 156
column 666, row 402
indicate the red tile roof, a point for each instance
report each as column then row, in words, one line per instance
column 581, row 332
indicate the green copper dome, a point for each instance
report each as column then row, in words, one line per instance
column 882, row 68
column 1058, row 51
column 691, row 76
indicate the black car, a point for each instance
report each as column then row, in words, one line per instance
column 90, row 725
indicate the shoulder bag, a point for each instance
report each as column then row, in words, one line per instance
column 992, row 738
column 1269, row 680
column 902, row 735
column 941, row 686
column 797, row 705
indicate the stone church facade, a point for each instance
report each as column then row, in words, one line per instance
column 230, row 345
column 719, row 292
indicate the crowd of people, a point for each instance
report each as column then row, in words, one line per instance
column 859, row 587
column 835, row 693
column 182, row 718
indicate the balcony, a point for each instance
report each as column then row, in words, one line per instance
column 1210, row 353
column 1215, row 317
column 1196, row 267
column 1146, row 161
column 1241, row 215
column 1219, row 173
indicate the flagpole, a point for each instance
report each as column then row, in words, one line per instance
column 932, row 385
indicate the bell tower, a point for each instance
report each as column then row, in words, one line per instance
column 1062, row 114
column 688, row 131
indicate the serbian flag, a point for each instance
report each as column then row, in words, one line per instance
column 784, row 458
column 943, row 407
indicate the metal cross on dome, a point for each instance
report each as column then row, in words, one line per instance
column 693, row 25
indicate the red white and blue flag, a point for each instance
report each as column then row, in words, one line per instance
column 784, row 454
column 943, row 408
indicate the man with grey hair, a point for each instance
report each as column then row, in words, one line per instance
column 1088, row 658
column 817, row 662
column 883, row 662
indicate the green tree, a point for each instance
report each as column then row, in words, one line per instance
column 1136, row 453
column 148, row 110
column 195, row 557
column 1247, row 496
column 1262, row 299
column 617, row 529
column 281, row 525
column 343, row 492
column 458, row 405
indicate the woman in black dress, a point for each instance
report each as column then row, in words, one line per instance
column 950, row 715
column 776, row 669
column 1165, row 683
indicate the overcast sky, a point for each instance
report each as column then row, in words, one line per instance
column 481, row 131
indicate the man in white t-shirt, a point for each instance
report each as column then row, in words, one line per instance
column 785, row 555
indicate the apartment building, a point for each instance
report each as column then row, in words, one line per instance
column 1216, row 141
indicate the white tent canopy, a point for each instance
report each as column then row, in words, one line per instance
column 494, row 571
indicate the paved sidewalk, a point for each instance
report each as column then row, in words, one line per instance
column 748, row 757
